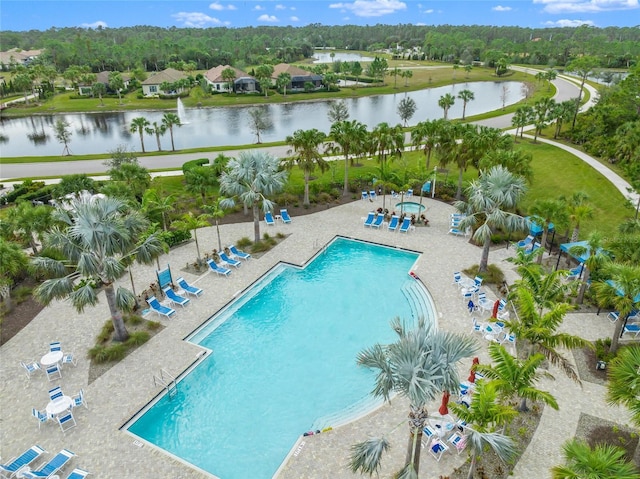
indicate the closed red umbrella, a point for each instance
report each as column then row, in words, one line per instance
column 443, row 407
column 472, row 376
column 496, row 305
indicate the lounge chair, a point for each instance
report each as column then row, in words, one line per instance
column 525, row 243
column 187, row 288
column 406, row 224
column 30, row 367
column 457, row 278
column 437, row 448
column 632, row 329
column 613, row 316
column 78, row 473
column 365, row 195
column 231, row 262
column 175, row 298
column 370, row 217
column 40, row 416
column 393, row 224
column 378, row 221
column 457, row 231
column 458, row 441
column 268, row 219
column 394, row 194
column 408, row 194
column 162, row 310
column 238, row 253
column 373, row 195
column 51, row 467
column 10, row 468
column 284, row 216
column 218, row 269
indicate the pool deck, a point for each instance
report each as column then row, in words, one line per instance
column 106, row 451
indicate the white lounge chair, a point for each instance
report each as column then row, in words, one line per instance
column 230, row 261
column 53, row 372
column 284, row 216
column 175, row 298
column 369, row 220
column 30, row 367
column 78, row 473
column 9, row 469
column 162, row 310
column 40, row 416
column 69, row 358
column 51, row 467
column 79, row 399
column 268, row 219
column 406, row 224
column 240, row 254
column 393, row 224
column 378, row 221
column 187, row 288
column 218, row 269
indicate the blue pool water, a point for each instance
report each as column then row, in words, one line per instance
column 283, row 361
column 410, row 207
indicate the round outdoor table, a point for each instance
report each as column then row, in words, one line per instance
column 59, row 405
column 51, row 358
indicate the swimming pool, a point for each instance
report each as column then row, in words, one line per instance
column 283, row 361
column 410, row 207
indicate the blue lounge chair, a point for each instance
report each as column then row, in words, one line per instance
column 238, row 253
column 78, row 473
column 378, row 221
column 218, row 269
column 373, row 195
column 155, row 306
column 408, row 194
column 187, row 288
column 231, row 262
column 632, row 329
column 394, row 194
column 51, row 467
column 457, row 232
column 284, row 216
column 370, row 217
column 526, row 243
column 365, row 195
column 175, row 298
column 393, row 224
column 268, row 219
column 14, row 465
column 406, row 224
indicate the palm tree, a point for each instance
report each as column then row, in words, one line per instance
column 395, row 72
column 426, row 134
column 537, row 331
column 547, row 290
column 169, row 120
column 579, row 209
column 466, row 96
column 547, row 212
column 30, row 222
column 483, row 416
column 517, row 162
column 189, row 221
column 154, row 203
column 420, row 365
column 602, row 462
column 521, row 118
column 387, row 141
column 217, row 212
column 512, row 377
column 201, row 180
column 139, row 125
column 406, row 74
column 97, row 239
column 251, row 178
column 13, row 261
column 491, row 200
column 541, row 111
column 157, row 129
column 306, row 144
column 621, row 292
column 445, row 102
column 283, row 81
column 349, row 137
column 623, row 388
column 229, row 75
column 596, row 258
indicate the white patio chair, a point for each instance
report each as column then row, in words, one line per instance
column 68, row 358
column 79, row 399
column 30, row 367
column 40, row 416
column 53, row 372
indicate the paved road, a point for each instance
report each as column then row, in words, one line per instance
column 567, row 88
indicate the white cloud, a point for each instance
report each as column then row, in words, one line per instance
column 218, row 7
column 569, row 23
column 195, row 19
column 429, row 11
column 294, row 19
column 258, row 8
column 268, row 18
column 371, row 8
column 586, row 6
column 420, row 24
column 97, row 24
column 500, row 8
column 280, row 7
column 292, row 8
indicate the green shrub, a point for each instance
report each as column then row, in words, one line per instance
column 116, row 352
column 153, row 325
column 133, row 319
column 21, row 294
column 193, row 163
column 137, row 338
column 243, row 242
column 603, row 345
column 105, row 332
column 98, row 354
column 494, row 275
column 260, row 247
column 174, row 237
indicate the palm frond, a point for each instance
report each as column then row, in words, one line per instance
column 365, row 456
column 56, row 288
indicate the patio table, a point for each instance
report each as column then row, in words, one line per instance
column 51, row 358
column 59, row 405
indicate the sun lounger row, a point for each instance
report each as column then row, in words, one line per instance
column 174, row 298
column 374, row 220
column 369, row 195
column 284, row 217
column 21, row 464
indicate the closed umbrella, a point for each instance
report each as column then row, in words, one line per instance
column 445, row 401
column 472, row 376
column 496, row 305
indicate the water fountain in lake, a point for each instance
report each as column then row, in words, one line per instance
column 182, row 113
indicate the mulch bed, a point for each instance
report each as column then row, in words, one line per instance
column 596, row 430
column 585, row 359
column 21, row 315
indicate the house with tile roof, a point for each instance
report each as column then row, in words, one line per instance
column 299, row 77
column 103, row 77
column 18, row 57
column 151, row 86
column 243, row 82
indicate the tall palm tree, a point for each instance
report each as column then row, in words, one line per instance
column 425, row 135
column 420, row 365
column 537, row 332
column 512, row 377
column 201, row 180
column 541, row 110
column 348, row 137
column 466, row 96
column 191, row 222
column 445, row 102
column 251, row 178
column 517, row 162
column 283, row 80
column 157, row 129
column 306, row 144
column 492, row 198
column 30, row 222
column 622, row 292
column 483, row 416
column 546, row 289
column 97, row 239
column 387, row 141
column 217, row 212
column 623, row 388
column 169, row 120
column 154, row 203
column 546, row 212
column 13, row 261
column 602, row 462
column 579, row 209
column 139, row 125
column 521, row 118
column 597, row 257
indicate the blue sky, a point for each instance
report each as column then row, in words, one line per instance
column 44, row 14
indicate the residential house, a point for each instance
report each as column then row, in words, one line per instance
column 18, row 57
column 299, row 77
column 243, row 82
column 151, row 86
column 103, row 77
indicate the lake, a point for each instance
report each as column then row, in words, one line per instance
column 229, row 126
